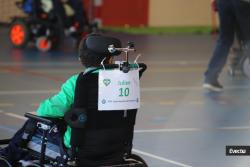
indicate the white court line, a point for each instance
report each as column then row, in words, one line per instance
column 6, row 104
column 235, row 128
column 167, row 130
column 11, row 115
column 76, row 70
column 152, row 130
column 191, row 129
column 62, row 64
column 15, row 116
column 186, row 88
column 145, row 89
column 160, row 158
column 21, row 92
column 8, row 129
column 52, row 64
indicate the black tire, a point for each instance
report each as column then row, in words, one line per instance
column 245, row 65
column 4, row 162
column 138, row 158
column 19, row 33
column 58, row 34
column 57, row 41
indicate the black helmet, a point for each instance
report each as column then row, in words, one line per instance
column 99, row 44
column 94, row 48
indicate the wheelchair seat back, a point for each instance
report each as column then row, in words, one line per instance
column 107, row 135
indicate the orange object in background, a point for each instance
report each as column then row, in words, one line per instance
column 118, row 12
column 17, row 34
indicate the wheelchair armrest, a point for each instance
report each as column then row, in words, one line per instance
column 45, row 120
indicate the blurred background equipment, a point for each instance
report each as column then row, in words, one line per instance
column 239, row 64
column 134, row 13
column 46, row 22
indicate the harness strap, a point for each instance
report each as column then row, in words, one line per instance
column 77, row 131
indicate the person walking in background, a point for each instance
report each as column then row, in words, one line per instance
column 233, row 15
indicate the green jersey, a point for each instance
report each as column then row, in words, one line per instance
column 57, row 105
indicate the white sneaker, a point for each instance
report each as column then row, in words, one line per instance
column 216, row 86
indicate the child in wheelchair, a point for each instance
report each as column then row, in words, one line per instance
column 69, row 129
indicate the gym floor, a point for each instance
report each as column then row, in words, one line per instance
column 178, row 125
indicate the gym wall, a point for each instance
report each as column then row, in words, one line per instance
column 135, row 12
column 179, row 13
column 8, row 10
column 151, row 12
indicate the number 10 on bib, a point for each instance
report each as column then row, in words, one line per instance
column 118, row 90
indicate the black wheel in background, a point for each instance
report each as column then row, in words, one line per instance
column 4, row 162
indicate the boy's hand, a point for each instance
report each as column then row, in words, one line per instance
column 214, row 5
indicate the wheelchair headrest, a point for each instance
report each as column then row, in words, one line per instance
column 99, row 44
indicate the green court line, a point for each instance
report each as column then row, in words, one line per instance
column 162, row 30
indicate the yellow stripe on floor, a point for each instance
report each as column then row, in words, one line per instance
column 168, row 103
column 6, row 104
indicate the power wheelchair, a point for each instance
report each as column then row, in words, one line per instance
column 239, row 62
column 98, row 138
column 46, row 25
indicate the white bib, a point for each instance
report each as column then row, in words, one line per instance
column 118, row 90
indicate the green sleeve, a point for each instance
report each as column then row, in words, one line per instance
column 57, row 105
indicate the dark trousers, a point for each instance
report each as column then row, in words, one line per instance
column 14, row 152
column 234, row 15
column 80, row 13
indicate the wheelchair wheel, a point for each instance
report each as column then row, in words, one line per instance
column 24, row 163
column 235, row 62
column 43, row 44
column 19, row 33
column 31, row 165
column 4, row 162
column 138, row 158
column 246, row 66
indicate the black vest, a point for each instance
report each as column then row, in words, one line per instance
column 107, row 135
